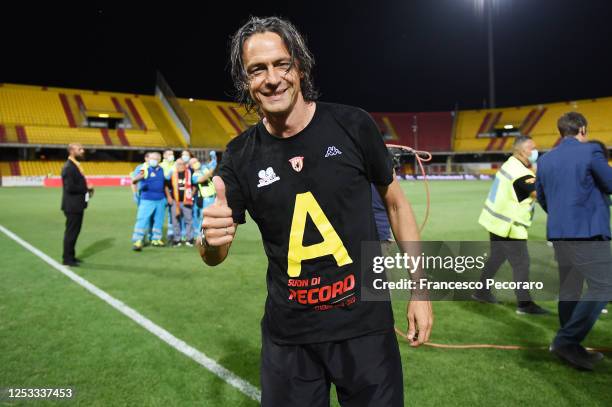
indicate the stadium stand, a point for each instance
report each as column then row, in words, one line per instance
column 48, row 116
column 26, row 106
column 215, row 123
column 45, row 115
column 34, row 116
column 54, row 168
column 426, row 131
column 540, row 122
column 5, row 169
column 163, row 121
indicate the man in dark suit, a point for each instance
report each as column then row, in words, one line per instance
column 76, row 192
column 572, row 183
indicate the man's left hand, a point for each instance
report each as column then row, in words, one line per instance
column 420, row 320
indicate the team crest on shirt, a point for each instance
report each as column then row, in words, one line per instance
column 297, row 163
column 266, row 177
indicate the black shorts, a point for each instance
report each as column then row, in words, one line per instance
column 366, row 370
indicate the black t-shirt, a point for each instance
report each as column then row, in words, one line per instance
column 311, row 192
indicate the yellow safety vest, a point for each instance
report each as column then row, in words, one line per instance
column 503, row 214
column 167, row 166
column 208, row 188
column 145, row 168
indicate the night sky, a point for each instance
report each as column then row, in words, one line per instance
column 417, row 55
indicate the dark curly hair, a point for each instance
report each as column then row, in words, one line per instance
column 294, row 42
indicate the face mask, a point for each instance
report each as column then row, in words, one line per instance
column 170, row 158
column 153, row 163
column 533, row 157
column 186, row 158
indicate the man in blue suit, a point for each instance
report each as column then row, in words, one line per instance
column 572, row 183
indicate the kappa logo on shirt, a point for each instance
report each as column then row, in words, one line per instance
column 267, row 177
column 331, row 151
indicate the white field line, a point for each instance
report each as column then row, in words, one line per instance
column 211, row 365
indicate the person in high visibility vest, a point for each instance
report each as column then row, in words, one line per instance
column 167, row 165
column 168, row 162
column 152, row 202
column 196, row 171
column 507, row 216
column 205, row 192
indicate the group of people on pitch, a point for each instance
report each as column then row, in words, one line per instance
column 304, row 174
column 180, row 188
column 572, row 184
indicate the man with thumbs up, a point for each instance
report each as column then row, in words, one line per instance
column 304, row 173
column 218, row 227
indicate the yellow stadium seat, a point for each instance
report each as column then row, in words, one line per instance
column 214, row 124
column 54, row 168
column 28, row 107
column 540, row 122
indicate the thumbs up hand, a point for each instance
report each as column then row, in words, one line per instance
column 218, row 225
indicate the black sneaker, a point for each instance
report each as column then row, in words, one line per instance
column 484, row 296
column 532, row 309
column 571, row 355
column 176, row 243
column 591, row 355
column 189, row 243
column 70, row 263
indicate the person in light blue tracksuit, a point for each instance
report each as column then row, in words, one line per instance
column 152, row 202
column 136, row 196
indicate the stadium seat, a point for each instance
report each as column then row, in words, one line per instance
column 35, row 115
column 5, row 169
column 433, row 129
column 540, row 122
column 54, row 168
column 214, row 124
column 29, row 107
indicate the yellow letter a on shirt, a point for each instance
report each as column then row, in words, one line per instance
column 306, row 204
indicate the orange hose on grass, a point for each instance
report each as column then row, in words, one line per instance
column 489, row 346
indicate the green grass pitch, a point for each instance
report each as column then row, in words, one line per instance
column 53, row 333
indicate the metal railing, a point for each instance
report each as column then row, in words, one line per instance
column 163, row 88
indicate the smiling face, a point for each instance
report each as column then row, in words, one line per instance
column 274, row 84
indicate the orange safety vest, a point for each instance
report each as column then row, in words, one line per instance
column 188, row 196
